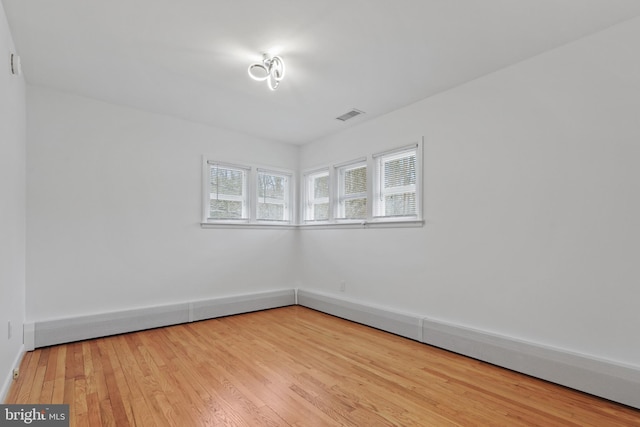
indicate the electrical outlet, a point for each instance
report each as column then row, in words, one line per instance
column 16, row 373
column 343, row 286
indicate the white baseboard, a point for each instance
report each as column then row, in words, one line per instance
column 604, row 378
column 404, row 324
column 52, row 332
column 228, row 306
column 6, row 384
column 104, row 324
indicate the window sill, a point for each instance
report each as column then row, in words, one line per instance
column 247, row 225
column 414, row 223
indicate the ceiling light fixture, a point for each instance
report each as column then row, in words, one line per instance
column 271, row 69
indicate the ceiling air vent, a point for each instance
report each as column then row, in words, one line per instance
column 350, row 115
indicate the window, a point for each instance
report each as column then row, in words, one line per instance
column 246, row 195
column 377, row 190
column 352, row 191
column 317, row 196
column 273, row 196
column 227, row 192
column 396, row 178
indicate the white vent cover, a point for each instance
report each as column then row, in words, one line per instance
column 349, row 115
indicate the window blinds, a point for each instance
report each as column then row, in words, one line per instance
column 227, row 192
column 396, row 193
column 352, row 191
column 273, row 196
column 317, row 192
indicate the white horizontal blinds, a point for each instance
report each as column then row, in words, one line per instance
column 227, row 192
column 352, row 191
column 317, row 193
column 273, row 196
column 396, row 184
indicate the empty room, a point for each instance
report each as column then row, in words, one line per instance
column 297, row 213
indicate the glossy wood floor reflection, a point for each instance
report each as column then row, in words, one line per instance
column 292, row 367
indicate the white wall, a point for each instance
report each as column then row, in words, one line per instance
column 532, row 204
column 531, row 201
column 114, row 211
column 12, row 210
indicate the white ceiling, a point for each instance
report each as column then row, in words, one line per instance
column 189, row 58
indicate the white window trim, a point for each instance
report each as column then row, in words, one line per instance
column 376, row 184
column 415, row 223
column 308, row 191
column 206, row 194
column 298, row 196
column 251, row 197
column 339, row 198
column 289, row 203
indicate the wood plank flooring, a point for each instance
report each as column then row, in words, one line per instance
column 292, row 366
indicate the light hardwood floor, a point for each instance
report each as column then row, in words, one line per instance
column 292, row 367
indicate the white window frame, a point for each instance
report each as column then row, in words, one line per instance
column 309, row 198
column 244, row 198
column 300, row 214
column 249, row 198
column 286, row 202
column 379, row 192
column 341, row 197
